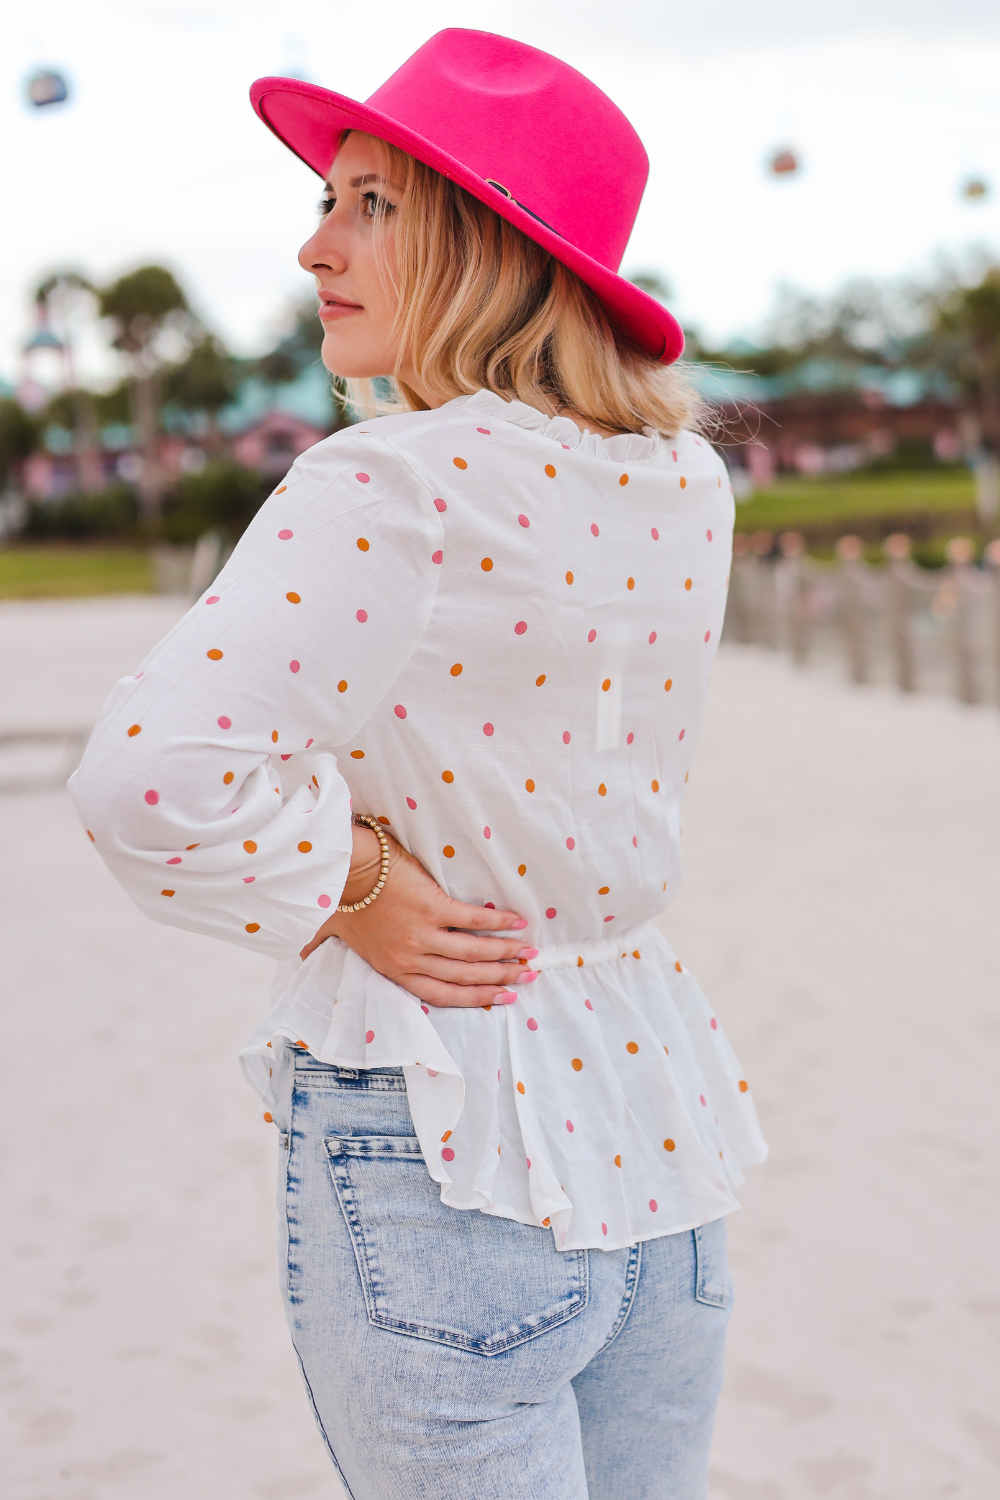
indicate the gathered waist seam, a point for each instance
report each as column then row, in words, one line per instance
column 624, row 945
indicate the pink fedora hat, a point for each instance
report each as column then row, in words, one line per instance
column 523, row 132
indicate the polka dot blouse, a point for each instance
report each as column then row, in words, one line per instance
column 493, row 633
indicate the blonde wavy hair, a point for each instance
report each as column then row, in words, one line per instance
column 481, row 306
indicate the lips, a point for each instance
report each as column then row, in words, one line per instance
column 335, row 307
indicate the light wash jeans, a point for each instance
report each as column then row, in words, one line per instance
column 456, row 1355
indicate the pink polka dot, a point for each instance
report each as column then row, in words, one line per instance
column 604, row 1228
column 652, row 1204
column 487, row 835
column 550, row 912
column 681, row 735
column 629, row 737
column 308, row 743
column 673, row 454
column 399, row 711
column 532, row 1024
column 285, row 536
column 487, row 730
column 713, row 1022
column 363, row 478
column 635, row 842
column 447, row 1154
column 484, row 430
column 369, row 1036
column 564, row 445
column 294, row 666
column 520, row 627
column 709, row 535
column 566, row 736
column 609, row 919
column 527, row 1158
column 701, row 1098
column 411, row 804
column 571, row 843
column 654, row 533
column 361, row 615
column 594, row 530
column 426, row 1013
column 177, row 859
column 569, row 1126
column 438, row 556
column 249, row 879
column 225, row 722
column 213, row 600
column 323, row 901
column 588, row 1005
column 440, row 505
column 592, row 636
column 523, row 521
column 152, row 798
column 491, row 904
column 708, row 636
column 286, row 757
column 652, row 637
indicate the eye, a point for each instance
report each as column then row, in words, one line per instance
column 325, row 204
column 376, row 206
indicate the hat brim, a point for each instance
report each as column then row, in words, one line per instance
column 310, row 120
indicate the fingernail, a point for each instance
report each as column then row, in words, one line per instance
column 518, row 925
column 527, row 976
column 527, row 953
column 505, row 999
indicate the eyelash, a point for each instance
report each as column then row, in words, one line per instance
column 327, row 202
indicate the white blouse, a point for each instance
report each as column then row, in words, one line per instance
column 494, row 633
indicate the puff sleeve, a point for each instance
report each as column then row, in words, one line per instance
column 209, row 786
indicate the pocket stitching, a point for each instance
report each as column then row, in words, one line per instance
column 712, row 1295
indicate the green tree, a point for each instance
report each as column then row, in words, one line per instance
column 20, row 436
column 966, row 339
column 204, row 382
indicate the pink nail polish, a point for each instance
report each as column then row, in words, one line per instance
column 527, row 953
column 519, row 925
column 527, row 976
column 505, row 999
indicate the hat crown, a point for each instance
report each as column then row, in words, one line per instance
column 524, row 119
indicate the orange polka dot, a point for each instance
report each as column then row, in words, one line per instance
column 448, row 852
column 602, row 790
column 383, row 820
column 522, row 869
column 91, row 837
column 167, row 893
column 456, row 670
column 448, row 776
column 355, row 755
column 683, row 483
column 550, row 470
column 667, row 1051
column 301, row 1043
column 686, row 775
column 316, row 784
column 569, row 578
column 274, row 736
column 190, row 846
column 632, row 1047
column 545, row 1223
column 655, row 785
column 669, row 1145
column 520, row 1088
column 253, row 927
column 603, row 890
column 294, row 598
column 250, row 846
column 342, row 686
column 605, row 684
column 623, row 479
column 687, row 584
column 579, row 961
column 630, row 583
column 529, row 785
column 618, row 1161
column 229, row 778
column 267, row 1114
column 281, row 489
column 743, row 1085
column 363, row 544
column 677, row 965
column 539, row 680
column 487, row 565
column 460, row 463
column 446, row 1137
column 214, row 655
column 668, row 684
column 134, row 729
column 636, row 953
column 576, row 1063
column 305, row 847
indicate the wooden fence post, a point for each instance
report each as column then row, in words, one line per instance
column 960, row 552
column 852, row 602
column 897, row 549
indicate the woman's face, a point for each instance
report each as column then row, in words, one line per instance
column 356, row 307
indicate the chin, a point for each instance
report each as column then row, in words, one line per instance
column 348, row 365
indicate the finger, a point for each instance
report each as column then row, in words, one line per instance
column 482, row 918
column 472, row 974
column 492, row 950
column 455, row 996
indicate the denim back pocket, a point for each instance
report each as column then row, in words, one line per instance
column 714, row 1285
column 474, row 1281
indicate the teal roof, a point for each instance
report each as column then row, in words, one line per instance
column 896, row 387
column 308, row 397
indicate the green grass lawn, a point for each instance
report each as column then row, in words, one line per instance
column 794, row 502
column 72, row 572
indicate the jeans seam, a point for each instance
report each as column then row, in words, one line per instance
column 632, row 1270
column 319, row 1423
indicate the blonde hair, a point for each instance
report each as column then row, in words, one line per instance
column 482, row 306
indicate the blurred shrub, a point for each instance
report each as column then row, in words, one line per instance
column 20, row 435
column 113, row 512
column 222, row 497
column 910, row 456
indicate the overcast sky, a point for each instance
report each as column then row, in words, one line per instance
column 158, row 156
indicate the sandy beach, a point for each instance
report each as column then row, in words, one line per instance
column 840, row 906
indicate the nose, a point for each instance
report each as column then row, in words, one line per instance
column 320, row 252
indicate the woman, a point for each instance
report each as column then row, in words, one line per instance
column 510, row 1124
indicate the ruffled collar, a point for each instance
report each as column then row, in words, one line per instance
column 627, row 447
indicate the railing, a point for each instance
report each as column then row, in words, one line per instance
column 920, row 628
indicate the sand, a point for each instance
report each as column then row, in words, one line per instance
column 840, row 905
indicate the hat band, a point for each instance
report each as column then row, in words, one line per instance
column 508, row 194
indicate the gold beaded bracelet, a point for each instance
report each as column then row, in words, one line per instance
column 363, row 820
